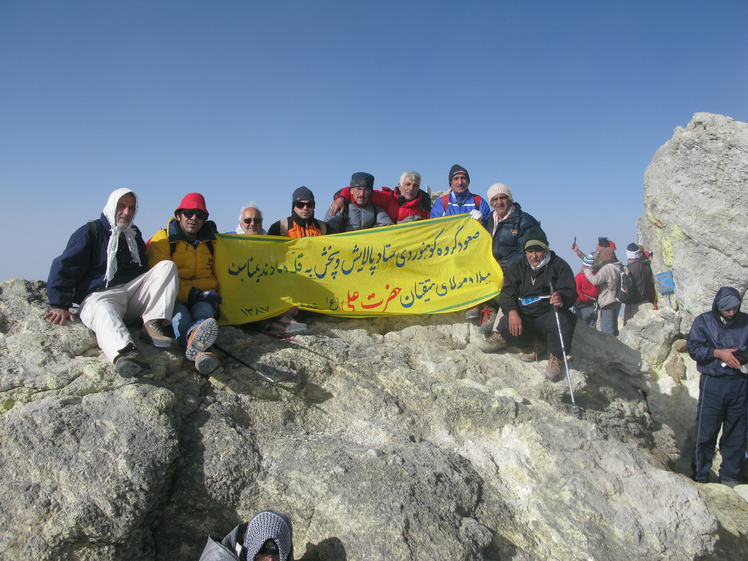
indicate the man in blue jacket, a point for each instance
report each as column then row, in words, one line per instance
column 723, row 388
column 104, row 269
column 460, row 200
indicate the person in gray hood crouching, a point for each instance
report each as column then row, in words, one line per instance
column 267, row 537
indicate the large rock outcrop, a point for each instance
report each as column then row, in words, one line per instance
column 696, row 201
column 382, row 439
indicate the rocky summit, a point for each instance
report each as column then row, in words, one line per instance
column 392, row 438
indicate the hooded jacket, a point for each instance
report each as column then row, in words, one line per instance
column 709, row 332
column 194, row 260
column 81, row 268
column 250, row 536
column 509, row 238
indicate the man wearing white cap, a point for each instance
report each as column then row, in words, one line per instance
column 508, row 225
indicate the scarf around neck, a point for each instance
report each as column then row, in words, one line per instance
column 110, row 213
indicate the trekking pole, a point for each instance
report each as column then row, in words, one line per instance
column 566, row 363
column 240, row 361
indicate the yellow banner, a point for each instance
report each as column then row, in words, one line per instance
column 423, row 267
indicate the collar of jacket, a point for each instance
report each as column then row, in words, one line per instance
column 176, row 234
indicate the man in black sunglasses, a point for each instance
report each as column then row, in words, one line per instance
column 301, row 223
column 250, row 221
column 189, row 240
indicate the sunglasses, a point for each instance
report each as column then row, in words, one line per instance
column 199, row 214
column 304, row 204
column 250, row 220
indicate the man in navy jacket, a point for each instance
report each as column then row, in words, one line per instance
column 105, row 271
column 723, row 388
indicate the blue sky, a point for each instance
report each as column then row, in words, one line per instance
column 566, row 102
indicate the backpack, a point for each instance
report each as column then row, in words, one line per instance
column 445, row 201
column 284, row 224
column 625, row 288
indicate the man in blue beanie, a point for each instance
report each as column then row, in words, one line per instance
column 723, row 388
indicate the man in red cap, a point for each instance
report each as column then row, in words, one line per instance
column 189, row 241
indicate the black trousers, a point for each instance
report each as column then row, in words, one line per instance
column 722, row 404
column 543, row 327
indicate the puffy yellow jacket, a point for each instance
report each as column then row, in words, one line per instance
column 194, row 261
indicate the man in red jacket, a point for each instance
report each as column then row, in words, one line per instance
column 585, row 307
column 405, row 204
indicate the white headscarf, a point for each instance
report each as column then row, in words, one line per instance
column 110, row 212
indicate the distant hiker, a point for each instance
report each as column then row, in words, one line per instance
column 405, row 204
column 607, row 279
column 601, row 243
column 460, row 200
column 508, row 226
column 104, row 269
column 644, row 285
column 585, row 307
column 360, row 213
column 189, row 241
column 301, row 223
column 723, row 388
column 267, row 537
column 250, row 220
column 529, row 320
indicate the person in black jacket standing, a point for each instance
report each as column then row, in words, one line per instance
column 530, row 307
column 640, row 272
column 723, row 388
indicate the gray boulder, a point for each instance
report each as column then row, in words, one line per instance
column 696, row 200
column 389, row 438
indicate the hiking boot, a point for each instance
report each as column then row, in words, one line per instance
column 284, row 326
column 487, row 319
column 153, row 332
column 553, row 370
column 201, row 338
column 207, row 364
column 472, row 313
column 492, row 343
column 531, row 353
column 130, row 362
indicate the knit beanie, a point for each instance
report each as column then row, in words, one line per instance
column 192, row 201
column 302, row 194
column 536, row 239
column 499, row 189
column 589, row 259
column 457, row 169
column 269, row 525
column 362, row 179
column 633, row 251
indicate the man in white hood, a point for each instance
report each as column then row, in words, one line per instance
column 104, row 270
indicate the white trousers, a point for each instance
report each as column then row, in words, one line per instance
column 150, row 296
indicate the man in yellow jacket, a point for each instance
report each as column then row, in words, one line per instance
column 189, row 241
